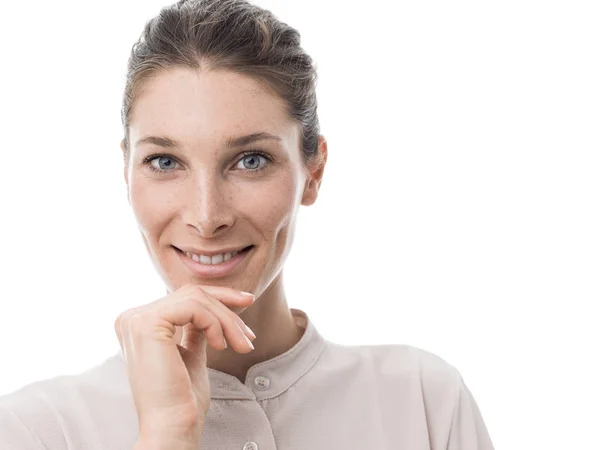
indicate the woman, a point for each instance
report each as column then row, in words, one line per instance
column 221, row 147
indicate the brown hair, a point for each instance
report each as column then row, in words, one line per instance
column 229, row 35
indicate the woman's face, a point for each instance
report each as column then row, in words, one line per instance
column 191, row 188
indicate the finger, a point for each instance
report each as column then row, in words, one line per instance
column 225, row 296
column 216, row 295
column 236, row 300
column 122, row 323
column 195, row 362
column 122, row 320
column 234, row 334
column 120, row 328
column 193, row 351
column 193, row 312
column 225, row 312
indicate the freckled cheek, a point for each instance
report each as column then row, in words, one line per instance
column 152, row 204
column 272, row 207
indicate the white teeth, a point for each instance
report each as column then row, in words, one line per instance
column 210, row 260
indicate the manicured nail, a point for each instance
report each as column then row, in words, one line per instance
column 249, row 343
column 248, row 294
column 250, row 331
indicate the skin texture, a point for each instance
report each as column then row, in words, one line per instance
column 212, row 198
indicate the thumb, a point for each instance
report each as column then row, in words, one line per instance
column 193, row 349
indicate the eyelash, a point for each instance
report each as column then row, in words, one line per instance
column 148, row 160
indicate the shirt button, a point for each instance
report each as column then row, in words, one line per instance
column 250, row 446
column 262, row 384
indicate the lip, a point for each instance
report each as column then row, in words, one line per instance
column 213, row 270
column 211, row 253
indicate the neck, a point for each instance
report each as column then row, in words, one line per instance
column 276, row 332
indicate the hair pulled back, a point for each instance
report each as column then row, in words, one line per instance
column 232, row 35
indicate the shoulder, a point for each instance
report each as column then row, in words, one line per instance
column 45, row 411
column 401, row 369
column 415, row 386
column 398, row 360
column 61, row 391
column 28, row 417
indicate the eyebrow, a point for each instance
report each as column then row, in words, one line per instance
column 234, row 141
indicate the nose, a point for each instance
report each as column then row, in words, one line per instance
column 208, row 208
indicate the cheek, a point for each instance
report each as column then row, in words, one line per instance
column 272, row 205
column 151, row 202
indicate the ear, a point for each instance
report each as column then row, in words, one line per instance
column 125, row 167
column 316, row 169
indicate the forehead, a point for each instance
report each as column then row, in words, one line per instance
column 196, row 105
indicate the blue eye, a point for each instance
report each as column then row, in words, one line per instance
column 150, row 159
column 252, row 162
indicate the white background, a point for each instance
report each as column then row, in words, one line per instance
column 459, row 211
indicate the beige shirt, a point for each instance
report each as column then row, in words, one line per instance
column 317, row 396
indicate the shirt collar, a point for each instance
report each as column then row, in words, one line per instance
column 270, row 378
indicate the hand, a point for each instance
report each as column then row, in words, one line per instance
column 169, row 382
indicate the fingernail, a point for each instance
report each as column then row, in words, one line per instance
column 249, row 343
column 248, row 294
column 225, row 342
column 250, row 331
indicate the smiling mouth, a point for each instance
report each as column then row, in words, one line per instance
column 215, row 260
